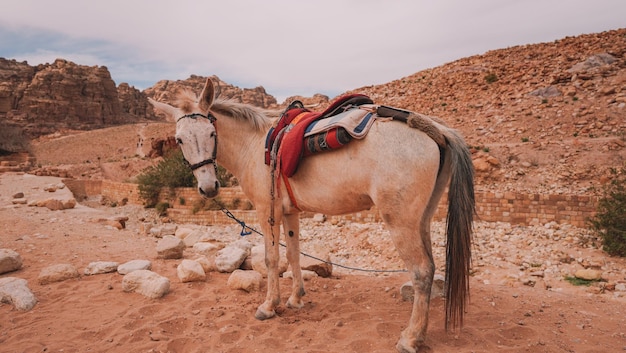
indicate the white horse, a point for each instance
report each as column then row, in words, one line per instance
column 399, row 169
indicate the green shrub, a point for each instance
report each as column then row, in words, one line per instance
column 491, row 77
column 171, row 172
column 610, row 220
column 575, row 281
column 161, row 208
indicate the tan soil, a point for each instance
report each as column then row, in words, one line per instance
column 345, row 313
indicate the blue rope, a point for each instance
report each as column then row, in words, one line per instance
column 244, row 226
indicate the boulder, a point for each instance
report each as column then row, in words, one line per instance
column 230, row 258
column 205, row 248
column 15, row 291
column 190, row 271
column 323, row 269
column 170, row 247
column 147, row 283
column 9, row 261
column 133, row 265
column 100, row 267
column 248, row 281
column 588, row 274
column 57, row 273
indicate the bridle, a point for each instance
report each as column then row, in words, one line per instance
column 213, row 158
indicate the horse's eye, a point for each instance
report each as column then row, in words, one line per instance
column 213, row 134
column 179, row 141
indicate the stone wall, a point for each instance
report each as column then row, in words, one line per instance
column 186, row 206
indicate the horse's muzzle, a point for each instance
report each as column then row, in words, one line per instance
column 209, row 192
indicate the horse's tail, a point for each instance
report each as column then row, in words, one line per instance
column 461, row 209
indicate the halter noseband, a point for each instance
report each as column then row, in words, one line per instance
column 211, row 160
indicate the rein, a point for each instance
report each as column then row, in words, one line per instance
column 213, row 158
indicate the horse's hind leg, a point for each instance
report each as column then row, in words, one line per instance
column 292, row 236
column 413, row 244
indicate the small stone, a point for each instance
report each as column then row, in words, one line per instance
column 9, row 261
column 245, row 280
column 15, row 291
column 57, row 273
column 133, row 265
column 230, row 258
column 99, row 267
column 170, row 247
column 588, row 274
column 190, row 271
column 147, row 283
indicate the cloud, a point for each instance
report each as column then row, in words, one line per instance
column 290, row 48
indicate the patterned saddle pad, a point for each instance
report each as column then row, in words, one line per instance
column 300, row 132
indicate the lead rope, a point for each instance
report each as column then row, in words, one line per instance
column 245, row 226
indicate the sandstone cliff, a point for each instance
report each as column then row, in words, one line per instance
column 166, row 90
column 63, row 95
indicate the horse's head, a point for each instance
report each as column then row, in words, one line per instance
column 196, row 135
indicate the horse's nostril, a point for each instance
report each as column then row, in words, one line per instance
column 208, row 193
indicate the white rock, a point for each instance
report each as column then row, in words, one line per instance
column 230, row 258
column 100, row 267
column 170, row 247
column 10, row 260
column 190, row 271
column 183, row 232
column 147, row 283
column 205, row 248
column 206, row 264
column 19, row 201
column 244, row 244
column 168, row 229
column 57, row 273
column 195, row 237
column 133, row 265
column 323, row 269
column 245, row 280
column 15, row 291
column 319, row 218
column 306, row 274
column 588, row 274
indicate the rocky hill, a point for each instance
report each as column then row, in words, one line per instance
column 549, row 116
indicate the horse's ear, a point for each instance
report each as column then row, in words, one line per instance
column 168, row 110
column 207, row 96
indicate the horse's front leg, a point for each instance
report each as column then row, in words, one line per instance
column 292, row 236
column 271, row 236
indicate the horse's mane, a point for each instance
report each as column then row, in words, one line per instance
column 187, row 101
column 253, row 115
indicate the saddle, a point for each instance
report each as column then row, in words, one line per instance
column 300, row 132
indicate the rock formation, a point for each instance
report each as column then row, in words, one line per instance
column 166, row 90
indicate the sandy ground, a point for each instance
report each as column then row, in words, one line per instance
column 345, row 313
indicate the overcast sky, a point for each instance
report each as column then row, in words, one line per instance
column 293, row 47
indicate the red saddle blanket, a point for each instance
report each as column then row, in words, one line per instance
column 290, row 129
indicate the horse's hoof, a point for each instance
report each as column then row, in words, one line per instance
column 264, row 315
column 295, row 304
column 404, row 347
